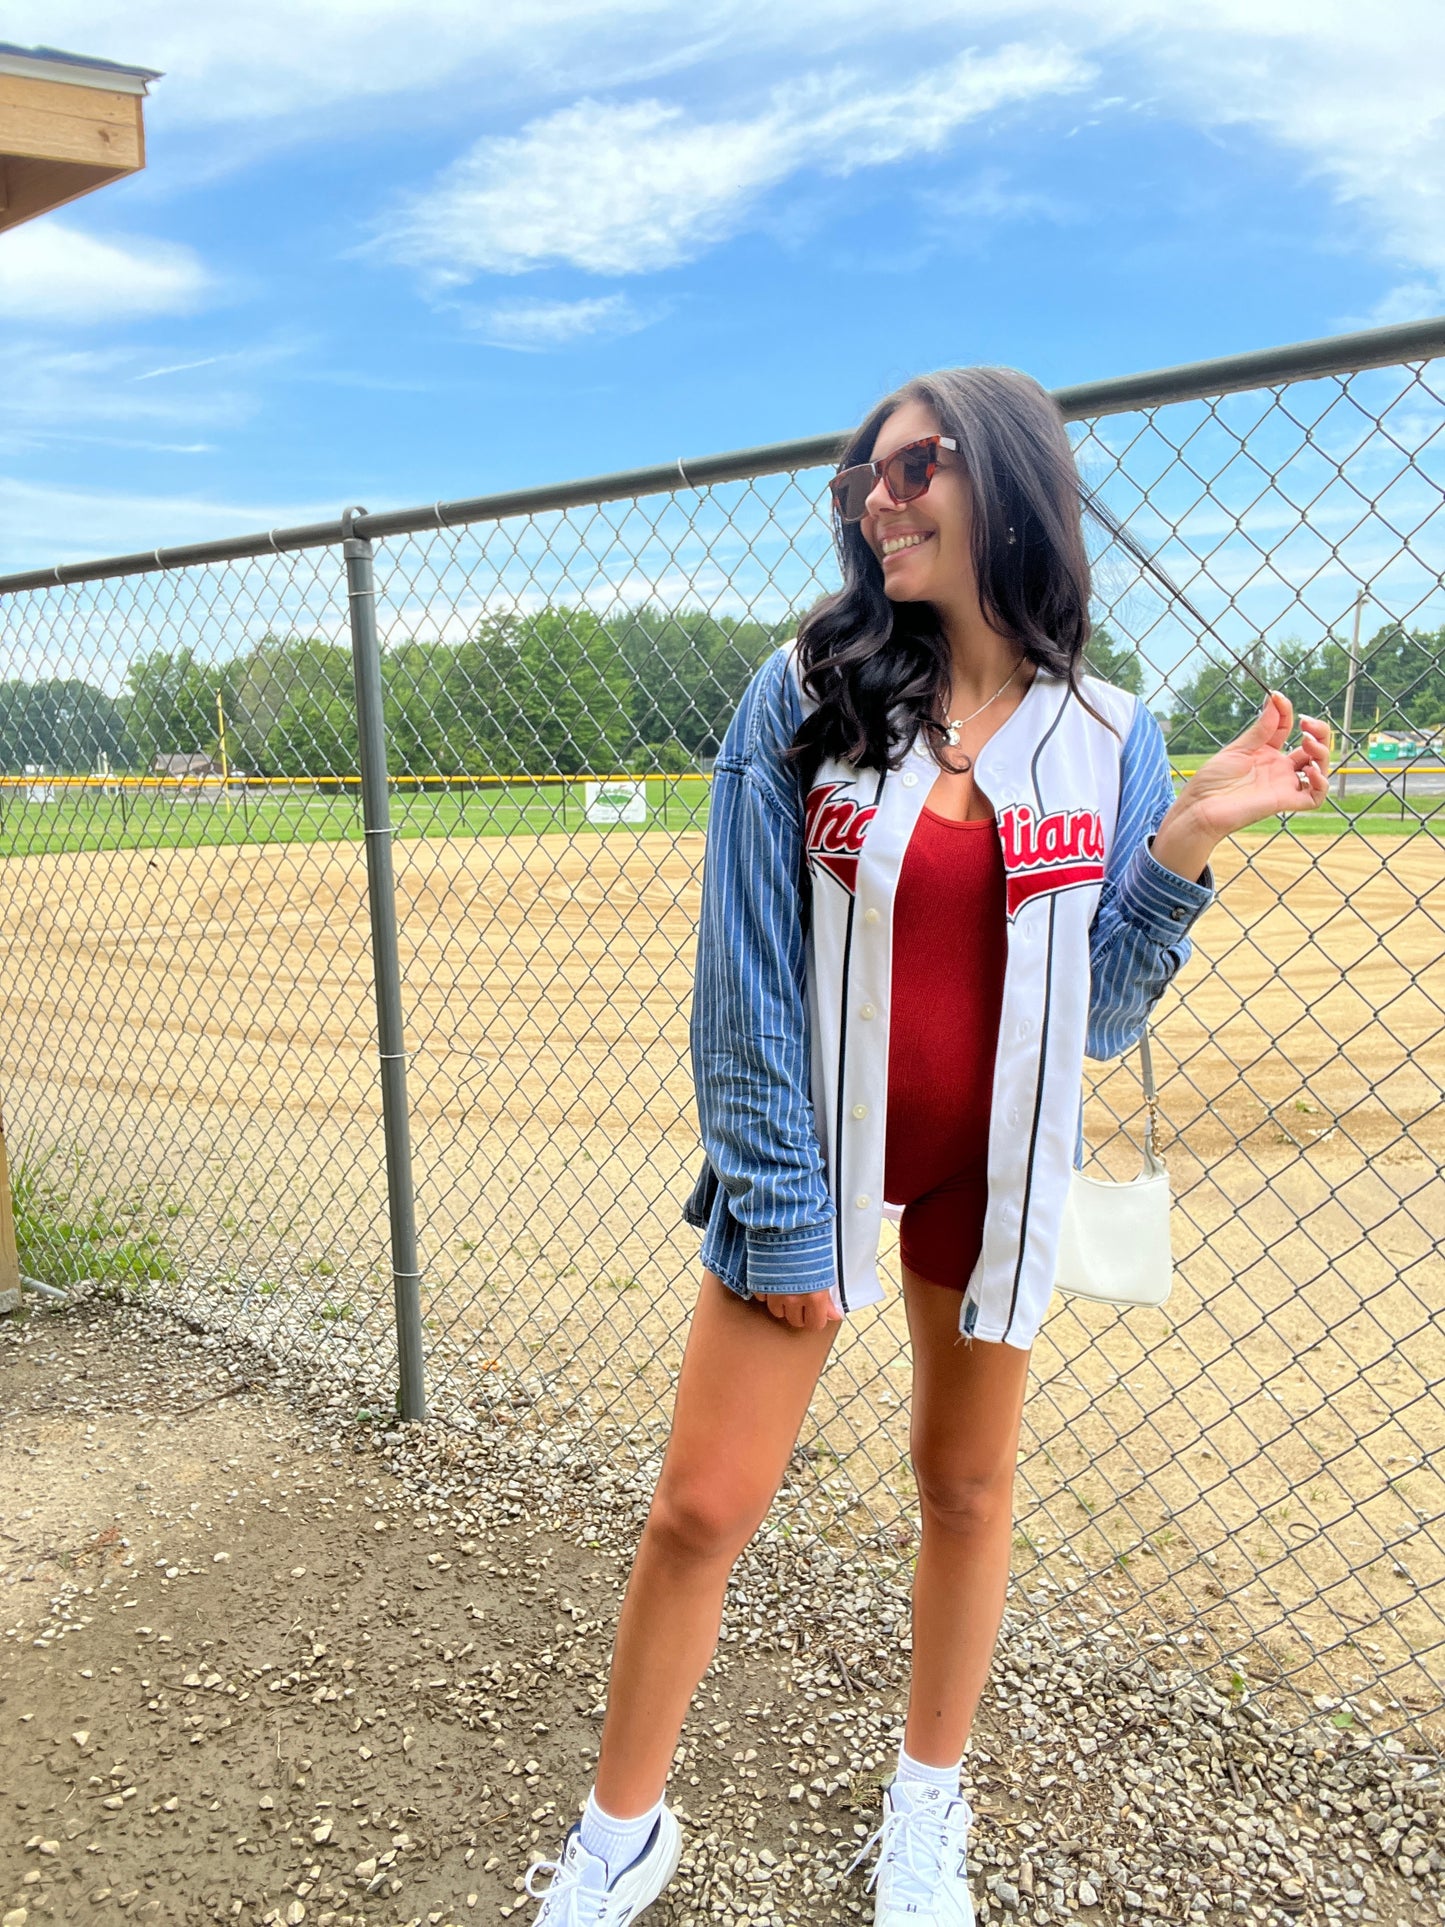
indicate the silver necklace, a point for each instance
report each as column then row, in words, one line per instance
column 955, row 724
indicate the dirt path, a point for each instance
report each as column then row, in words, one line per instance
column 259, row 1664
column 263, row 1688
column 250, row 1675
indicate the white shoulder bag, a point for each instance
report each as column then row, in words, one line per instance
column 1114, row 1244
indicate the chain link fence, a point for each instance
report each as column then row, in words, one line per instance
column 198, row 915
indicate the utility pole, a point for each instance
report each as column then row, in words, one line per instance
column 1346, row 746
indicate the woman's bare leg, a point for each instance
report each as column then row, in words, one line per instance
column 967, row 1407
column 743, row 1391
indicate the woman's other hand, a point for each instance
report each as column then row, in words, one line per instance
column 1252, row 777
column 805, row 1311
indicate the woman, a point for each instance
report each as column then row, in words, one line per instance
column 941, row 864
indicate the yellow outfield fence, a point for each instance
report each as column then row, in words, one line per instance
column 236, row 780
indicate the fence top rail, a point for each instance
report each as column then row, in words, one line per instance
column 1192, row 381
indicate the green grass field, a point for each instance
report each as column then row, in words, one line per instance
column 143, row 819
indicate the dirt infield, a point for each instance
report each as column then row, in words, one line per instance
column 192, row 1029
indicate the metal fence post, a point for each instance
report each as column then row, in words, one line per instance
column 386, row 965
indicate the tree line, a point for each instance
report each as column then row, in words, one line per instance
column 1400, row 686
column 563, row 690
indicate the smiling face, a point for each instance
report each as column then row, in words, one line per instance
column 925, row 547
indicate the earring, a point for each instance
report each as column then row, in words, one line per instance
column 1011, row 536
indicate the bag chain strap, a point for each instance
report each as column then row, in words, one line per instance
column 1151, row 1101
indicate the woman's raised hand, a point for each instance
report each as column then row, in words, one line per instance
column 1252, row 777
column 1256, row 775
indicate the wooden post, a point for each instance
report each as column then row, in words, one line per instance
column 225, row 762
column 9, row 1256
column 1348, row 730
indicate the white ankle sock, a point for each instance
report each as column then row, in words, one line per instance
column 914, row 1772
column 618, row 1842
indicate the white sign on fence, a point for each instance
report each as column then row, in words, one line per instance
column 616, row 802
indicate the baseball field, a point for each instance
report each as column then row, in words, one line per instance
column 189, row 1044
column 56, row 816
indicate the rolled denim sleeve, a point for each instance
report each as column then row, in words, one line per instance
column 1140, row 938
column 750, row 1032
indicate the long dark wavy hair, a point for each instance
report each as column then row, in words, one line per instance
column 878, row 669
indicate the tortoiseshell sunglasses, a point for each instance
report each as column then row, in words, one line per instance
column 905, row 474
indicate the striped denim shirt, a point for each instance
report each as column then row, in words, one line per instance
column 770, row 1229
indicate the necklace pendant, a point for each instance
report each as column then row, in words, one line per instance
column 952, row 734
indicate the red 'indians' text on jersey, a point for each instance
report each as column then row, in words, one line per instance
column 1057, row 851
column 834, row 826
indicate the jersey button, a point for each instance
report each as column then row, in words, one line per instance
column 870, row 916
column 860, row 1110
column 861, row 1201
column 865, row 1011
column 910, row 779
column 1026, row 1029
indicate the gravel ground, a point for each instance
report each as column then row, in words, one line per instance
column 262, row 1660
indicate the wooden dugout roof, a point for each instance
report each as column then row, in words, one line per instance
column 67, row 126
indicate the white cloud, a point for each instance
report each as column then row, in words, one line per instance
column 52, row 272
column 277, row 60
column 539, row 325
column 74, row 524
column 101, row 394
column 989, row 198
column 633, row 187
column 1356, row 93
column 180, row 367
column 612, row 189
column 1409, row 301
column 1357, row 89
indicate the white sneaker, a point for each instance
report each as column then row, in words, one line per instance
column 579, row 1895
column 922, row 1870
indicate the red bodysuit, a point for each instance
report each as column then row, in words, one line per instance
column 949, row 944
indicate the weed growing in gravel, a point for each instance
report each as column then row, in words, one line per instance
column 62, row 1236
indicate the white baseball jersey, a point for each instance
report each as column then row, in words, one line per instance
column 800, row 1204
column 1052, row 774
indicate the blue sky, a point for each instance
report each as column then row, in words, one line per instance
column 397, row 253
